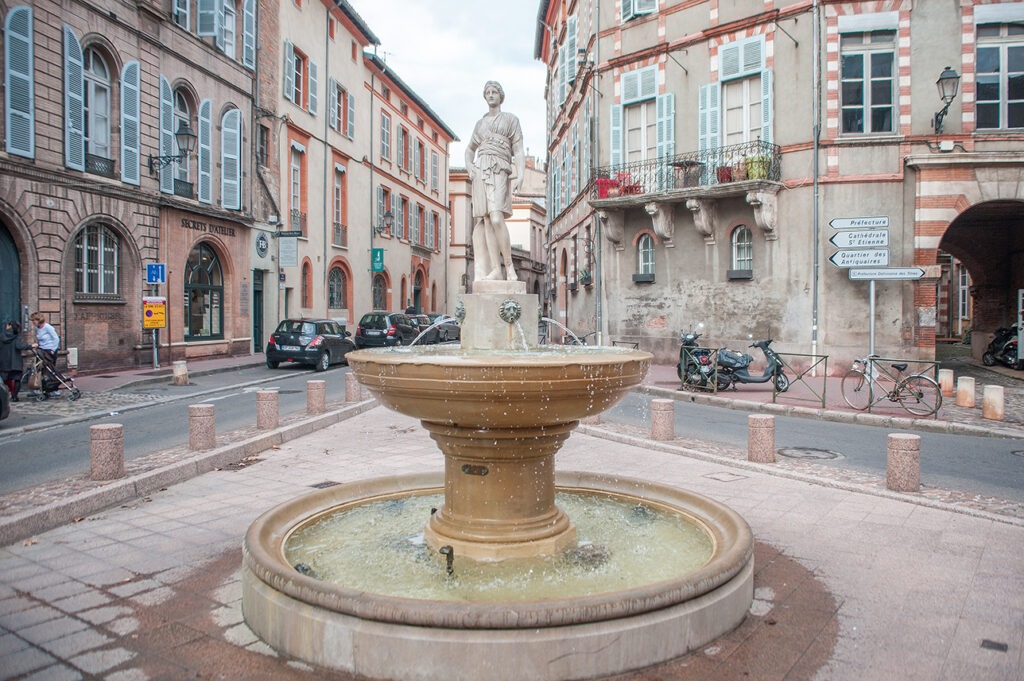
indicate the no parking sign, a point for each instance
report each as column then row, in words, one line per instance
column 154, row 312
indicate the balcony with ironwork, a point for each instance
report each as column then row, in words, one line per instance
column 297, row 220
column 340, row 235
column 698, row 180
column 97, row 165
column 183, row 188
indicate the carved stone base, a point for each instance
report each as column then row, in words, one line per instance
column 484, row 328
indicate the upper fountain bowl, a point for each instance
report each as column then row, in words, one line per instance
column 543, row 386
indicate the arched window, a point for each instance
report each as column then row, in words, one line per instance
column 380, row 301
column 182, row 114
column 742, row 249
column 307, row 285
column 204, row 294
column 229, row 28
column 97, row 256
column 337, row 289
column 97, row 104
column 645, row 255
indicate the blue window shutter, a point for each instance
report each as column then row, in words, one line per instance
column 570, row 47
column 766, row 105
column 645, row 6
column 208, row 11
column 19, row 83
column 249, row 34
column 401, row 147
column 219, row 38
column 563, row 70
column 166, row 134
column 627, row 10
column 615, row 145
column 666, row 132
column 206, row 151
column 74, row 101
column 130, row 142
column 289, row 71
column 332, row 103
column 380, row 207
column 312, row 88
column 351, row 132
column 230, row 160
column 708, row 117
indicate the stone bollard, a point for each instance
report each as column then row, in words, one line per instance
column 106, row 451
column 592, row 420
column 965, row 392
column 266, row 409
column 903, row 466
column 663, row 419
column 316, row 396
column 202, row 431
column 992, row 402
column 761, row 438
column 179, row 372
column 353, row 391
column 946, row 382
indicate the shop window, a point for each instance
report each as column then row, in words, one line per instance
column 644, row 259
column 97, row 263
column 337, row 289
column 867, row 89
column 204, row 294
column 742, row 254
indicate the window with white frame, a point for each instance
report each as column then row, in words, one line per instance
column 867, row 73
column 230, row 19
column 97, row 252
column 300, row 78
column 295, row 190
column 182, row 115
column 643, row 125
column 645, row 254
column 180, row 13
column 635, row 8
column 964, row 294
column 738, row 108
column 385, row 135
column 97, row 104
column 742, row 248
column 339, row 206
column 999, row 73
column 337, row 289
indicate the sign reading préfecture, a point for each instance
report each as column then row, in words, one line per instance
column 876, row 222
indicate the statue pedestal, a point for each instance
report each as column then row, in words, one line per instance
column 485, row 328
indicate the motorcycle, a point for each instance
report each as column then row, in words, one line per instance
column 733, row 367
column 695, row 367
column 1003, row 349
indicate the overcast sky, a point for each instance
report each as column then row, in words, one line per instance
column 445, row 50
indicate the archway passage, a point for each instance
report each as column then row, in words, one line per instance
column 10, row 278
column 989, row 239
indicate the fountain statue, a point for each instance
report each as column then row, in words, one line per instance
column 496, row 581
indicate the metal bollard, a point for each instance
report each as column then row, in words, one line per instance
column 946, row 382
column 663, row 419
column 761, row 438
column 316, row 397
column 179, row 373
column 353, row 391
column 903, row 465
column 106, row 451
column 202, row 431
column 992, row 404
column 965, row 392
column 267, row 402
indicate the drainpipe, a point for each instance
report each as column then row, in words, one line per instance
column 599, row 322
column 816, row 115
column 328, row 176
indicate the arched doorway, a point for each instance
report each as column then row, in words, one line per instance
column 10, row 278
column 417, row 291
column 204, row 294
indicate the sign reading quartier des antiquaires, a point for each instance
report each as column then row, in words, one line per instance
column 864, row 257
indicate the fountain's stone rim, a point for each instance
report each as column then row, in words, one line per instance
column 454, row 355
column 263, row 556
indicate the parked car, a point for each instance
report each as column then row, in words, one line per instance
column 318, row 342
column 423, row 323
column 5, row 403
column 385, row 329
column 449, row 330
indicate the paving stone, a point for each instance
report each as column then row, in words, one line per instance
column 100, row 661
column 31, row 617
column 69, row 646
column 24, row 661
column 57, row 672
column 84, row 601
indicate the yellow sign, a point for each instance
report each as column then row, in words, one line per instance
column 154, row 312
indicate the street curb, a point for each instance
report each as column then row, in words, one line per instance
column 28, row 523
column 856, row 417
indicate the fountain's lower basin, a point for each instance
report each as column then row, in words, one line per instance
column 390, row 637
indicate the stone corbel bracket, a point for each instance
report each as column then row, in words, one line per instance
column 611, row 226
column 705, row 216
column 766, row 214
column 661, row 218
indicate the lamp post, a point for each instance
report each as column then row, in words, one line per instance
column 186, row 139
column 948, row 84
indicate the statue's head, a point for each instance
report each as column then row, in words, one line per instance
column 497, row 86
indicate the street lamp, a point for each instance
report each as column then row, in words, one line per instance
column 385, row 224
column 948, row 83
column 186, row 139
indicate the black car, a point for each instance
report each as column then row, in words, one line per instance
column 385, row 329
column 423, row 323
column 449, row 329
column 318, row 342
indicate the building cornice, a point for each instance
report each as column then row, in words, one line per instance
column 970, row 158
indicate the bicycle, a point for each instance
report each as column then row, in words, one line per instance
column 573, row 339
column 918, row 394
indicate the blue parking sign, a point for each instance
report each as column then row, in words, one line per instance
column 156, row 273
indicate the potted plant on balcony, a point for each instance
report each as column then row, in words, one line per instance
column 758, row 167
column 585, row 277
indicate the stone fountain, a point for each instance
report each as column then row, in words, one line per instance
column 499, row 407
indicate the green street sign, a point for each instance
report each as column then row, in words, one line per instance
column 377, row 260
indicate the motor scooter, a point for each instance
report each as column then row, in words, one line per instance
column 1003, row 349
column 695, row 367
column 733, row 367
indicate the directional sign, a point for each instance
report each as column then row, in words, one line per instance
column 876, row 222
column 156, row 273
column 887, row 273
column 864, row 257
column 860, row 238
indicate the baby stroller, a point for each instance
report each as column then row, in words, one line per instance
column 45, row 380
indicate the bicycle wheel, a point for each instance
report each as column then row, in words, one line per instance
column 856, row 389
column 919, row 395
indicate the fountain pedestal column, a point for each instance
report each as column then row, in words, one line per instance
column 499, row 492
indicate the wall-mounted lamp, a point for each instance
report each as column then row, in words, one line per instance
column 186, row 138
column 385, row 224
column 948, row 83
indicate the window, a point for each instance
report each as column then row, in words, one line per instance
column 385, row 136
column 262, row 145
column 204, row 294
column 434, row 171
column 337, row 289
column 741, row 110
column 19, row 83
column 635, row 8
column 340, row 236
column 231, row 160
column 331, row 27
column 307, row 285
column 342, row 109
column 402, row 218
column 964, row 294
column 421, row 161
column 380, row 300
column 96, row 261
column 180, row 12
column 300, row 78
column 97, row 105
column 230, row 20
column 131, row 155
column 296, row 193
column 643, row 126
column 867, row 74
column 645, row 255
column 742, row 249
column 432, row 236
column 1000, row 76
column 182, row 114
column 384, row 204
column 403, row 148
column 738, row 108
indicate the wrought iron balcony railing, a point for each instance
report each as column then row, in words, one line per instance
column 297, row 220
column 340, row 237
column 183, row 189
column 751, row 161
column 97, row 165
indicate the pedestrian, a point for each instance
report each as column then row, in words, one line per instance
column 47, row 339
column 11, row 364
